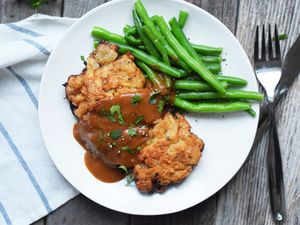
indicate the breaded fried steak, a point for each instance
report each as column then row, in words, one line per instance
column 122, row 122
column 171, row 152
column 106, row 75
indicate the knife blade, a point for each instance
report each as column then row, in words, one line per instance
column 290, row 71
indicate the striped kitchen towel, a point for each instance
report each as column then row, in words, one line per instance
column 30, row 185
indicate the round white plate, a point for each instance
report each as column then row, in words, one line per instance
column 228, row 138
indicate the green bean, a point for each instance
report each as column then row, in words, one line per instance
column 101, row 33
column 211, row 58
column 157, row 44
column 96, row 43
column 211, row 107
column 197, row 65
column 140, row 9
column 151, row 61
column 230, row 80
column 195, row 85
column 251, row 112
column 213, row 67
column 231, row 94
column 153, row 77
column 148, row 44
column 183, row 15
column 133, row 40
column 182, row 39
column 142, row 47
column 130, row 30
column 207, row 50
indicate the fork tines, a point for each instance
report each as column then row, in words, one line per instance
column 269, row 45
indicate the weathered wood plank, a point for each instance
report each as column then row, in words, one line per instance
column 81, row 210
column 15, row 10
column 76, row 8
column 203, row 213
column 39, row 222
column 245, row 200
column 225, row 10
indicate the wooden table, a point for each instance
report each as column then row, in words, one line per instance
column 245, row 199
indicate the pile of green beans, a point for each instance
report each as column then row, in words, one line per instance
column 171, row 62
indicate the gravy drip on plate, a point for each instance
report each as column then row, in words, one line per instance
column 116, row 141
column 101, row 171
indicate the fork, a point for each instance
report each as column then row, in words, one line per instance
column 268, row 73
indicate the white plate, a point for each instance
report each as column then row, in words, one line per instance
column 228, row 138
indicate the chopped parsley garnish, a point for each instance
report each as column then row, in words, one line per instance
column 117, row 109
column 83, row 60
column 126, row 148
column 161, row 105
column 139, row 119
column 124, row 168
column 281, row 37
column 136, row 99
column 132, row 132
column 36, row 4
column 107, row 115
column 129, row 179
column 152, row 99
column 115, row 134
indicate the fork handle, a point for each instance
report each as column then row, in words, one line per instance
column 275, row 174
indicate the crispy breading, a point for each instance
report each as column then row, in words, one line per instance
column 105, row 76
column 170, row 154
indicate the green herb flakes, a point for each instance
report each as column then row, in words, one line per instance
column 132, row 132
column 161, row 105
column 129, row 179
column 136, row 99
column 152, row 99
column 115, row 134
column 124, row 168
column 107, row 115
column 83, row 60
column 281, row 37
column 117, row 109
column 36, row 4
column 126, row 148
column 139, row 119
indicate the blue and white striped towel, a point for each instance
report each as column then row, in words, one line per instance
column 30, row 185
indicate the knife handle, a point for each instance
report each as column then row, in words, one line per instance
column 275, row 173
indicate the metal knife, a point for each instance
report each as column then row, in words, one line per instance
column 290, row 71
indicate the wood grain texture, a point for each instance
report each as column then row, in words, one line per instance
column 245, row 199
column 15, row 10
column 81, row 210
column 39, row 222
column 76, row 8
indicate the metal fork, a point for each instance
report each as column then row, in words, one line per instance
column 268, row 73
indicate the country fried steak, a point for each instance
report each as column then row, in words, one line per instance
column 169, row 156
column 118, row 123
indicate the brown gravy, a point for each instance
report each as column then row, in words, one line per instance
column 116, row 143
column 101, row 171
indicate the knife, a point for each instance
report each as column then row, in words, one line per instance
column 290, row 71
